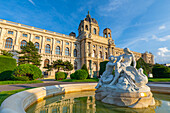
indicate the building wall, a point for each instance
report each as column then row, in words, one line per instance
column 91, row 48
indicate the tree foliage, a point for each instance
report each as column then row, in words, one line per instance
column 6, row 53
column 60, row 65
column 147, row 68
column 29, row 54
column 29, row 71
column 160, row 71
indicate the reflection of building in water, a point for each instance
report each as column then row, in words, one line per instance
column 77, row 105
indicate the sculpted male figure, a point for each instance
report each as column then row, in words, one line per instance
column 107, row 76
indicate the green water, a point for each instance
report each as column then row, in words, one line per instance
column 84, row 102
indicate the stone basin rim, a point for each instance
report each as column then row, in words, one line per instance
column 19, row 102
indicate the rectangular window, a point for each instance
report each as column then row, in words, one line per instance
column 24, row 35
column 37, row 37
column 75, row 45
column 67, row 43
column 10, row 32
column 48, row 39
column 58, row 41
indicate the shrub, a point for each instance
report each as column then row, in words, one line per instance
column 81, row 74
column 72, row 76
column 7, row 65
column 85, row 68
column 6, row 75
column 160, row 71
column 60, row 75
column 21, row 78
column 28, row 70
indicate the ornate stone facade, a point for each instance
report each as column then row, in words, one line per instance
column 87, row 48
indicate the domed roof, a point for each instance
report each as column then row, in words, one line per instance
column 88, row 18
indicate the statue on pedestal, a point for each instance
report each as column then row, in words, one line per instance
column 127, row 81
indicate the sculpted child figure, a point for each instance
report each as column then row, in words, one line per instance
column 107, row 76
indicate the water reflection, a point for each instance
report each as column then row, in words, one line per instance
column 84, row 102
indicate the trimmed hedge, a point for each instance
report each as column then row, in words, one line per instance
column 81, row 74
column 85, row 68
column 60, row 75
column 30, row 71
column 160, row 71
column 72, row 76
column 7, row 65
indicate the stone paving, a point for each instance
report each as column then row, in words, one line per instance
column 158, row 87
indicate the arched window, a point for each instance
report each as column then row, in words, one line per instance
column 67, row 51
column 37, row 45
column 8, row 43
column 57, row 50
column 106, row 55
column 46, row 62
column 109, row 35
column 23, row 43
column 100, row 54
column 94, row 53
column 47, row 48
column 86, row 27
column 105, row 35
column 94, row 30
column 75, row 53
column 75, row 65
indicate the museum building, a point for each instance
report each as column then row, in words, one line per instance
column 87, row 48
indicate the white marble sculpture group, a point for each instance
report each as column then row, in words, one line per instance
column 127, row 86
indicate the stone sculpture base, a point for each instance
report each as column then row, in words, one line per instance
column 126, row 99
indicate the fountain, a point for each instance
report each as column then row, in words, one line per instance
column 127, row 87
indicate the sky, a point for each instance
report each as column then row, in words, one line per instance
column 140, row 25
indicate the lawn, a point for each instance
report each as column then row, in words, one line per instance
column 20, row 82
column 159, row 79
column 6, row 94
column 86, row 80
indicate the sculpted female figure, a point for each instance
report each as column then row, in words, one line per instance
column 107, row 76
column 131, row 74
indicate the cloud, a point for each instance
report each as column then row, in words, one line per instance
column 31, row 2
column 163, row 55
column 134, row 41
column 165, row 38
column 162, row 27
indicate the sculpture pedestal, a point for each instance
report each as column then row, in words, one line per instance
column 125, row 98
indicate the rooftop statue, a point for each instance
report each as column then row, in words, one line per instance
column 127, row 87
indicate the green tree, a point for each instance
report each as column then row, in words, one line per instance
column 160, row 71
column 68, row 66
column 145, row 66
column 29, row 54
column 59, row 65
column 85, row 68
column 6, row 53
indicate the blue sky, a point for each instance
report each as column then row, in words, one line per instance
column 141, row 25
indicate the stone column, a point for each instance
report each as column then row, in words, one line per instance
column 17, row 45
column 53, row 46
column 42, row 44
column 71, row 49
column 3, row 30
column 31, row 37
column 63, row 48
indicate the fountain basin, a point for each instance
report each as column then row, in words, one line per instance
column 18, row 102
